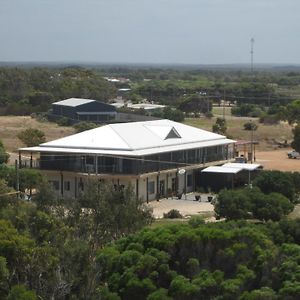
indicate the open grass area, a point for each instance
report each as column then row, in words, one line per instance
column 266, row 135
column 163, row 222
column 10, row 126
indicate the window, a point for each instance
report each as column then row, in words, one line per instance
column 54, row 184
column 189, row 180
column 151, row 187
column 174, row 184
column 67, row 185
column 81, row 185
column 89, row 160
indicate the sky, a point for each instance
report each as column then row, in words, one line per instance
column 150, row 31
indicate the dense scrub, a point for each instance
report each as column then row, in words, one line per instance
column 232, row 260
column 48, row 248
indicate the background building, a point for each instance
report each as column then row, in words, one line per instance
column 84, row 110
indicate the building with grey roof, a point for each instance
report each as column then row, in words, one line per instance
column 89, row 110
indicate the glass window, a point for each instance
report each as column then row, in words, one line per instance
column 54, row 184
column 67, row 185
column 151, row 187
column 81, row 185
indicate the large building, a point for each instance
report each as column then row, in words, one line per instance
column 157, row 158
column 89, row 110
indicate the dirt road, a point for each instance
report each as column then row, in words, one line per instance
column 277, row 160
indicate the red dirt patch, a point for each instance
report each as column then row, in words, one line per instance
column 277, row 160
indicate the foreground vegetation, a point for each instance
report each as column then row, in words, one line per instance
column 92, row 247
column 227, row 260
column 48, row 247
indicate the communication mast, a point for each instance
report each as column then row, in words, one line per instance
column 252, row 52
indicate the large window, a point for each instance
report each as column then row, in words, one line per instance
column 67, row 185
column 151, row 188
column 54, row 184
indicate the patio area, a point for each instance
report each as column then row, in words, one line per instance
column 187, row 205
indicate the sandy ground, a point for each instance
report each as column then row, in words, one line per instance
column 277, row 160
column 186, row 206
column 271, row 160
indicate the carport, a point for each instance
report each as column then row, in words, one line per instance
column 228, row 175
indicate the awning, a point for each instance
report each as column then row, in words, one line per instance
column 248, row 167
column 221, row 169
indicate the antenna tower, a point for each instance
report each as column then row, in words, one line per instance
column 252, row 52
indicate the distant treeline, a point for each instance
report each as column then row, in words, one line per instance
column 23, row 91
column 26, row 90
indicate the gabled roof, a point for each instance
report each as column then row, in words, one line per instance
column 136, row 138
column 73, row 102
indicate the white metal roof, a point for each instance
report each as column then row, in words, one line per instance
column 223, row 170
column 136, row 138
column 248, row 167
column 74, row 102
column 146, row 106
column 231, row 168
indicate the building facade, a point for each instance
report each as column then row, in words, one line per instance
column 157, row 158
column 88, row 110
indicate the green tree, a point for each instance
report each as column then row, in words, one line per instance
column 113, row 212
column 32, row 137
column 276, row 181
column 250, row 203
column 296, row 139
column 291, row 112
column 4, row 156
column 233, row 204
column 6, row 193
column 4, row 276
column 220, row 126
column 29, row 179
column 20, row 292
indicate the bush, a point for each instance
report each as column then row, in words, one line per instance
column 64, row 122
column 250, row 126
column 83, row 126
column 251, row 203
column 173, row 214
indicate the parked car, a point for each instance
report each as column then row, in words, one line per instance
column 293, row 154
column 241, row 159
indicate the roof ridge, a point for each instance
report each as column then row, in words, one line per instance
column 110, row 126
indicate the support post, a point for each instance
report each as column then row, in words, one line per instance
column 147, row 191
column 20, row 160
column 137, row 188
column 157, row 188
column 61, row 183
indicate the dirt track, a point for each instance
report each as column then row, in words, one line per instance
column 277, row 160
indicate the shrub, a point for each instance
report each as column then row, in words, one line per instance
column 250, row 126
column 64, row 122
column 173, row 214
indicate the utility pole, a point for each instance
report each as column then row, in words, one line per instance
column 17, row 178
column 224, row 101
column 252, row 52
column 252, row 148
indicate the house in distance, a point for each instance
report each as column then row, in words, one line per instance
column 157, row 158
column 78, row 109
